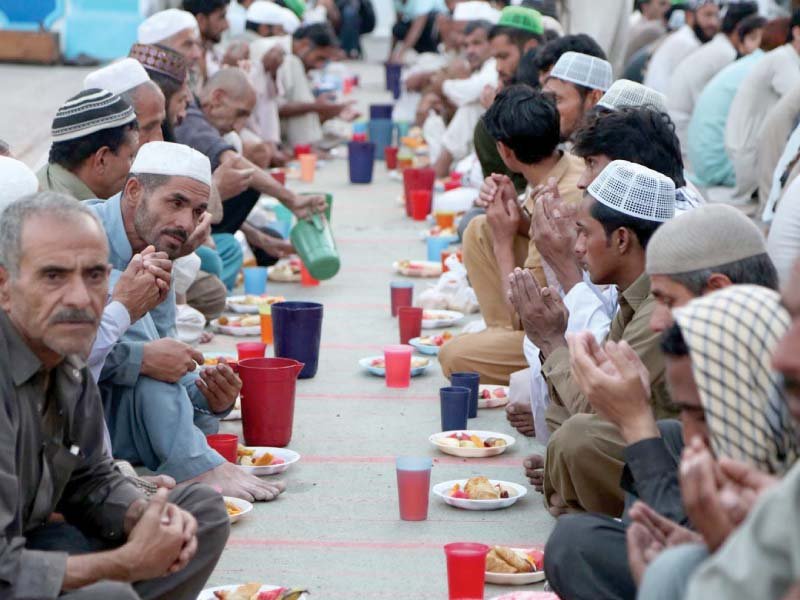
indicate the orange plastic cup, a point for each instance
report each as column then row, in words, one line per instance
column 308, row 163
column 265, row 312
column 306, row 280
column 445, row 219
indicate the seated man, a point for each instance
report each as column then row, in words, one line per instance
column 128, row 78
column 178, row 30
column 158, row 411
column 53, row 455
column 95, row 137
column 687, row 257
column 525, row 125
column 267, row 19
column 415, row 27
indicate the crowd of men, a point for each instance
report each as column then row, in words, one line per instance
column 624, row 167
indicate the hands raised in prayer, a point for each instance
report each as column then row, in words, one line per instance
column 554, row 232
column 615, row 382
column 743, row 485
column 542, row 311
column 502, row 211
column 145, row 283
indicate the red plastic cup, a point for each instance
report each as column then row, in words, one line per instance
column 300, row 149
column 251, row 350
column 466, row 568
column 402, row 294
column 410, row 319
column 306, row 280
column 451, row 185
column 413, row 486
column 417, row 179
column 398, row 365
column 420, row 204
column 268, row 391
column 390, row 155
column 359, row 137
column 225, row 444
column 278, row 175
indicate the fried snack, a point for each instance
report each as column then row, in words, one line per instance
column 233, row 510
column 264, row 460
column 223, row 320
column 516, row 559
column 479, row 488
column 244, row 451
column 250, row 321
column 495, row 564
column 243, row 592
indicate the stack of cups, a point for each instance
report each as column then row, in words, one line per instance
column 402, row 294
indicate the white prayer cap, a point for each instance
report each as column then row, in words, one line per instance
column 264, row 12
column 585, row 70
column 118, row 77
column 165, row 24
column 175, row 160
column 624, row 92
column 475, row 10
column 290, row 21
column 551, row 24
column 635, row 190
column 16, row 181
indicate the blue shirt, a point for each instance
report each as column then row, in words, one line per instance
column 410, row 9
column 706, row 139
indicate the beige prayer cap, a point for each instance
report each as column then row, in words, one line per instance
column 703, row 238
column 177, row 160
column 16, row 181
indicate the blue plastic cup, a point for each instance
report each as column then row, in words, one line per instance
column 361, row 158
column 402, row 128
column 471, row 381
column 380, row 134
column 436, row 245
column 454, row 402
column 359, row 127
column 296, row 332
column 380, row 111
column 255, row 281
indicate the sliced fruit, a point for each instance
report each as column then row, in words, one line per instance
column 476, row 440
column 460, row 494
column 537, row 559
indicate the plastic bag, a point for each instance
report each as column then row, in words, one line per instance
column 452, row 291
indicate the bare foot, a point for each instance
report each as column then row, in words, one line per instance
column 534, row 471
column 231, row 481
column 520, row 416
column 557, row 506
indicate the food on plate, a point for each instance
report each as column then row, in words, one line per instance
column 285, row 270
column 251, row 300
column 233, row 510
column 250, row 591
column 213, row 361
column 502, row 559
column 437, row 231
column 416, row 362
column 239, row 321
column 480, row 488
column 436, row 340
column 497, row 392
column 465, row 440
column 247, row 457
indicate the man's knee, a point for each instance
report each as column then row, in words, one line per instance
column 208, row 295
column 451, row 356
column 104, row 590
column 574, row 441
column 208, row 508
column 474, row 235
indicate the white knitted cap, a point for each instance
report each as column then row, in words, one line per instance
column 16, row 181
column 175, row 160
column 585, row 70
column 264, row 12
column 635, row 190
column 626, row 93
column 165, row 24
column 475, row 10
column 118, row 77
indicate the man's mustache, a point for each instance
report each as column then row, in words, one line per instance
column 74, row 315
column 178, row 233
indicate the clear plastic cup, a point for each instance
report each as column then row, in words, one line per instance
column 413, row 486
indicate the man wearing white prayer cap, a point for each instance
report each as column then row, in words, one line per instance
column 128, row 78
column 157, row 408
column 176, row 29
column 16, row 181
column 624, row 92
column 577, row 81
column 475, row 10
column 621, row 210
column 267, row 19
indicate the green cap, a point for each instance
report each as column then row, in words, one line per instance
column 298, row 7
column 520, row 17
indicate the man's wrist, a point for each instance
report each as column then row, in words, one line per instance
column 642, row 427
column 550, row 345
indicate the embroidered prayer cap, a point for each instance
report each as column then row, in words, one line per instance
column 705, row 237
column 475, row 10
column 626, row 93
column 118, row 77
column 582, row 69
column 635, row 190
column 731, row 335
column 175, row 160
column 165, row 24
column 520, row 17
column 158, row 59
column 88, row 112
column 16, row 181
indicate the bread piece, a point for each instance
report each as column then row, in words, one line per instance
column 243, row 592
column 515, row 559
column 479, row 488
column 495, row 564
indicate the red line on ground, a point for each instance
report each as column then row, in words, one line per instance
column 363, row 397
column 351, row 347
column 352, row 544
column 445, row 460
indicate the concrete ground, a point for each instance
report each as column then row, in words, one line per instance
column 336, row 529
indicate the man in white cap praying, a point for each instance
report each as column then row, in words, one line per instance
column 128, row 79
column 624, row 92
column 621, row 210
column 577, row 81
column 95, row 137
column 157, row 408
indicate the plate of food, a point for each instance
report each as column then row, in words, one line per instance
column 472, row 443
column 212, row 359
column 434, row 319
column 430, row 344
column 492, row 396
column 237, row 326
column 479, row 493
column 418, row 268
column 377, row 365
column 264, row 460
column 237, row 508
column 249, row 304
column 514, row 566
column 439, row 232
column 285, row 270
column 252, row 591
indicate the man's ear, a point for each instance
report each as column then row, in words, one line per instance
column 624, row 240
column 593, row 97
column 217, row 96
column 717, row 281
column 133, row 191
column 100, row 160
column 530, row 45
column 506, row 153
column 5, row 292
